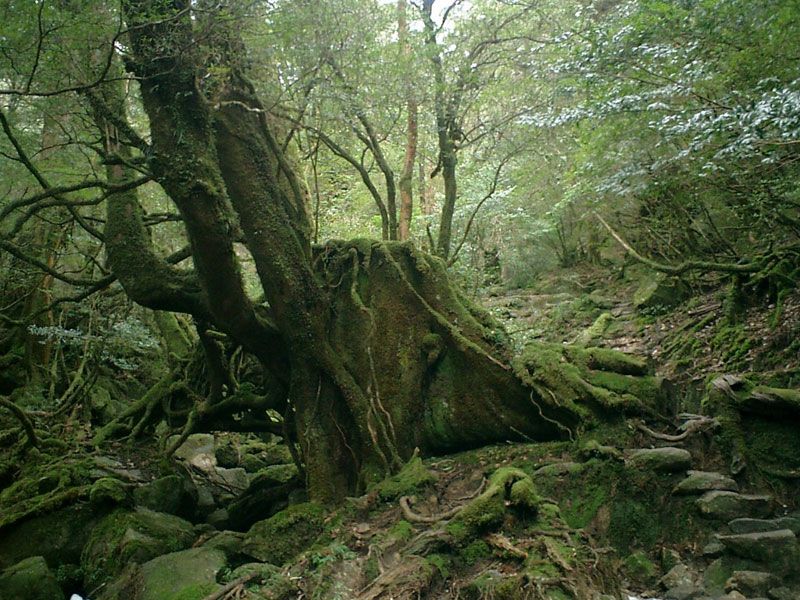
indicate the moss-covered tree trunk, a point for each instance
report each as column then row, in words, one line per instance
column 381, row 353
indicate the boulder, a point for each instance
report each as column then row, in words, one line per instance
column 723, row 505
column 171, row 494
column 658, row 290
column 751, row 583
column 700, row 482
column 759, row 525
column 778, row 549
column 59, row 536
column 664, row 460
column 125, row 537
column 183, row 575
column 30, row 579
column 286, row 534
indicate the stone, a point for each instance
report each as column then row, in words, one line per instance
column 747, row 525
column 171, row 494
column 285, row 534
column 713, row 549
column 683, row 592
column 125, row 537
column 778, row 549
column 109, row 491
column 751, row 583
column 784, row 593
column 723, row 505
column 717, row 574
column 197, row 450
column 230, row 542
column 658, row 290
column 59, row 536
column 665, row 460
column 699, row 482
column 219, row 518
column 30, row 579
column 677, row 576
column 192, row 573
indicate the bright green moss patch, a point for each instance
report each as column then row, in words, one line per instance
column 286, row 534
column 508, row 488
column 411, row 478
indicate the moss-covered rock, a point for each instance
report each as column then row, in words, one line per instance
column 125, row 537
column 409, row 480
column 508, row 489
column 58, row 536
column 171, row 494
column 184, row 575
column 286, row 534
column 109, row 491
column 657, row 290
column 665, row 460
column 30, row 579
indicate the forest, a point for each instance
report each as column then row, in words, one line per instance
column 399, row 299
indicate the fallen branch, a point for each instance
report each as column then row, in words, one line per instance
column 689, row 265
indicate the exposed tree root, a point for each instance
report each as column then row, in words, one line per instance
column 692, row 426
column 26, row 423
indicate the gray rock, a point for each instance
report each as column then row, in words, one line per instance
column 784, row 593
column 59, row 536
column 721, row 569
column 699, row 482
column 126, row 537
column 713, row 549
column 659, row 290
column 30, row 579
column 197, row 450
column 665, row 460
column 171, row 494
column 727, row 506
column 759, row 525
column 683, row 592
column 169, row 575
column 777, row 549
column 677, row 577
column 751, row 583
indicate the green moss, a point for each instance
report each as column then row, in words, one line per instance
column 286, row 534
column 639, row 567
column 401, row 531
column 197, row 591
column 441, row 563
column 411, row 478
column 125, row 537
column 475, row 552
column 508, row 488
column 579, row 511
column 46, row 484
column 108, row 491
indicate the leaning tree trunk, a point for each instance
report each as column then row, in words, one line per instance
column 383, row 354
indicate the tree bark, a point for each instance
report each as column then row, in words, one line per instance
column 407, row 174
column 444, row 110
column 384, row 355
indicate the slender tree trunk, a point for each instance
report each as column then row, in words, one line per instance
column 407, row 174
column 445, row 115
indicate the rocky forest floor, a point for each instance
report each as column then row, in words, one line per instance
column 669, row 507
